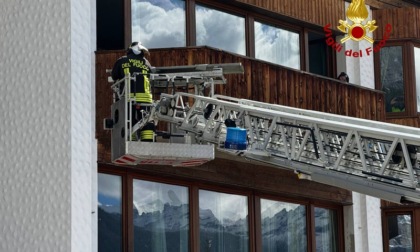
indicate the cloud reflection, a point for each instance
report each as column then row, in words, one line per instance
column 224, row 206
column 161, row 24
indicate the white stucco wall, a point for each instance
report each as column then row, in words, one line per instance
column 359, row 69
column 363, row 228
column 47, row 145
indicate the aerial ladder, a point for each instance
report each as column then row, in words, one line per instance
column 370, row 157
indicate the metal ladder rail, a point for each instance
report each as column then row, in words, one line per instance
column 354, row 146
column 326, row 116
column 331, row 117
column 210, row 130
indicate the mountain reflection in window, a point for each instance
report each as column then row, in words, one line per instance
column 223, row 222
column 160, row 217
column 392, row 78
column 326, row 230
column 399, row 233
column 283, row 226
column 109, row 213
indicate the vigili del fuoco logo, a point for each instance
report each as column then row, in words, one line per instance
column 357, row 30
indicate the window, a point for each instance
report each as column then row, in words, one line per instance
column 283, row 226
column 397, row 73
column 170, row 23
column 399, row 233
column 277, row 45
column 151, row 213
column 392, row 78
column 109, row 213
column 319, row 55
column 109, row 25
column 223, row 222
column 417, row 73
column 160, row 217
column 220, row 29
column 150, row 23
column 326, row 230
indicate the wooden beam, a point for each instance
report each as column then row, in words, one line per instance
column 385, row 4
column 377, row 4
column 396, row 3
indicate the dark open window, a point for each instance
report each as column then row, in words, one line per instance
column 110, row 24
column 319, row 55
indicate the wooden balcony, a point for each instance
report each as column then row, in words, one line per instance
column 261, row 81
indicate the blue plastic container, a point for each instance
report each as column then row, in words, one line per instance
column 235, row 138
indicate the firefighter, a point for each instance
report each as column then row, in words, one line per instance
column 135, row 62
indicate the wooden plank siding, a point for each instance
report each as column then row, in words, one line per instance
column 261, row 82
column 320, row 12
column 405, row 23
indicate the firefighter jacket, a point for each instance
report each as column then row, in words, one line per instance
column 132, row 63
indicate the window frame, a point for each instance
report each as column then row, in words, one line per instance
column 340, row 224
column 250, row 14
column 331, row 54
column 124, row 201
column 253, row 195
column 220, row 8
column 397, row 211
column 412, row 72
column 286, row 27
column 408, row 76
column 257, row 203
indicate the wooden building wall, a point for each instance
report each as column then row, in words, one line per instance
column 320, row 12
column 261, row 82
column 405, row 23
column 390, row 208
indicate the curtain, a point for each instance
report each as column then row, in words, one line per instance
column 283, row 226
column 161, row 217
column 223, row 222
column 326, row 230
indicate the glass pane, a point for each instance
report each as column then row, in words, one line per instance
column 150, row 21
column 277, row 45
column 399, row 233
column 283, row 226
column 417, row 72
column 161, row 217
column 223, row 222
column 326, row 230
column 318, row 54
column 392, row 79
column 109, row 213
column 220, row 29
